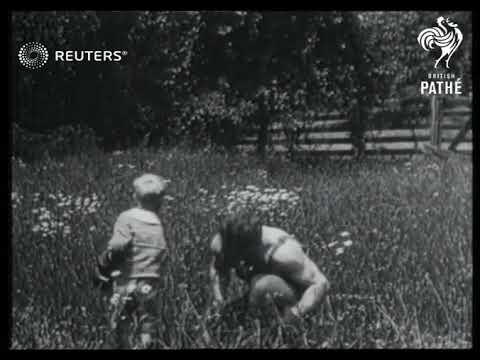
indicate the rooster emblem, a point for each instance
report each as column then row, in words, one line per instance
column 448, row 38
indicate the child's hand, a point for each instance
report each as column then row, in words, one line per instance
column 101, row 281
column 291, row 316
column 214, row 312
column 218, row 303
column 102, row 285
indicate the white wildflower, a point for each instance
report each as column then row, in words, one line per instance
column 146, row 289
column 67, row 230
column 263, row 198
column 115, row 299
column 115, row 273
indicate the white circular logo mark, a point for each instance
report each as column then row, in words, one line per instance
column 33, row 55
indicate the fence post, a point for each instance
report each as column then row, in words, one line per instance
column 435, row 135
column 461, row 135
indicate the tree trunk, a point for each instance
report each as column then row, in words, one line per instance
column 262, row 139
column 357, row 128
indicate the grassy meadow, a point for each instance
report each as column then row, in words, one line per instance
column 393, row 237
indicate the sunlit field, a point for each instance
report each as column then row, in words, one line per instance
column 394, row 239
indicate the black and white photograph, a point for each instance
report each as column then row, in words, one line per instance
column 241, row 179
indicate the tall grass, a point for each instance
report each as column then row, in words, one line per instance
column 406, row 280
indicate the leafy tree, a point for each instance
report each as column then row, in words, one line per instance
column 221, row 74
column 282, row 63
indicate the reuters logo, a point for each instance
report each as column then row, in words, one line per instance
column 33, row 55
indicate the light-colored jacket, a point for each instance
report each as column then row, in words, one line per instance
column 138, row 237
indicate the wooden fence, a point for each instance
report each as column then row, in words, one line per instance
column 445, row 125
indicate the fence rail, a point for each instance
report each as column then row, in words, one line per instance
column 329, row 134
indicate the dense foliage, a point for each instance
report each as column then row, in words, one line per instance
column 219, row 73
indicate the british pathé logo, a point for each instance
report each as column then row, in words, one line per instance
column 441, row 84
column 447, row 37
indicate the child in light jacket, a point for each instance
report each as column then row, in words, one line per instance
column 132, row 263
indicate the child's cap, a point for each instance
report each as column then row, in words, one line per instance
column 149, row 184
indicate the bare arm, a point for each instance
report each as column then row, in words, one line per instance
column 219, row 275
column 317, row 288
column 301, row 270
column 219, row 281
